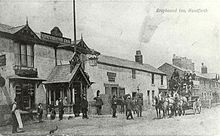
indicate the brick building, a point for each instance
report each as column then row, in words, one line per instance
column 183, row 62
column 206, row 85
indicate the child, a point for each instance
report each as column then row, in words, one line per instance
column 40, row 112
column 53, row 114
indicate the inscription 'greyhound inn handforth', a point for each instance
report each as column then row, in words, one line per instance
column 54, row 39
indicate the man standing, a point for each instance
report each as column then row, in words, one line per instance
column 139, row 104
column 84, row 105
column 98, row 103
column 14, row 119
column 40, row 112
column 129, row 107
column 114, row 106
column 61, row 109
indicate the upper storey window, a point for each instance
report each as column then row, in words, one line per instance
column 24, row 55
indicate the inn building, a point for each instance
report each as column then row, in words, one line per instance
column 40, row 68
column 43, row 67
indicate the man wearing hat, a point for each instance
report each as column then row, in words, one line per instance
column 84, row 105
column 114, row 106
column 129, row 107
column 98, row 103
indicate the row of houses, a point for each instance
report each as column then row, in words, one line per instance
column 43, row 67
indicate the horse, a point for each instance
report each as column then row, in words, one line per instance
column 181, row 105
column 158, row 106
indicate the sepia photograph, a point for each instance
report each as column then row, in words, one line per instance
column 109, row 67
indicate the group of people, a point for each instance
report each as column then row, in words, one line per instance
column 135, row 105
column 181, row 84
column 61, row 105
column 17, row 125
column 130, row 105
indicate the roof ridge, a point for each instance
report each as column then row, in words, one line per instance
column 129, row 60
column 16, row 26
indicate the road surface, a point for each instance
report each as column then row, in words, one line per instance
column 206, row 123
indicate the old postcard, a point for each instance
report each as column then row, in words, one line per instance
column 109, row 67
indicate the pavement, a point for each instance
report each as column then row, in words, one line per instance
column 206, row 123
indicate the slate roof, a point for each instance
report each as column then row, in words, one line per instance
column 10, row 29
column 25, row 78
column 207, row 76
column 128, row 64
column 61, row 74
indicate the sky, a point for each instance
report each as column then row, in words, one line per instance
column 120, row 27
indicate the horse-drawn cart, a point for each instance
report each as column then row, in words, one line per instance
column 194, row 103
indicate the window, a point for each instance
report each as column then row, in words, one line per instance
column 161, row 79
column 152, row 93
column 148, row 97
column 133, row 73
column 121, row 91
column 111, row 76
column 24, row 55
column 134, row 94
column 152, row 78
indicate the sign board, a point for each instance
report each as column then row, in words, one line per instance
column 2, row 60
column 51, row 38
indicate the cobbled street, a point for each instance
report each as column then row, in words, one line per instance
column 206, row 123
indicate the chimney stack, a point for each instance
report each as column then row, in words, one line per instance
column 204, row 69
column 138, row 57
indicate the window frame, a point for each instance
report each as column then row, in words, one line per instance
column 161, row 80
column 133, row 74
column 19, row 54
column 152, row 78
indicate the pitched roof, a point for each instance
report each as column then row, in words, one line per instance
column 10, row 29
column 128, row 64
column 196, row 72
column 61, row 74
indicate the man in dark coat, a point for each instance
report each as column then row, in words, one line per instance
column 114, row 106
column 84, row 105
column 98, row 103
column 139, row 106
column 40, row 112
column 129, row 107
column 61, row 109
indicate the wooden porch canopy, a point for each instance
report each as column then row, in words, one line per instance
column 63, row 74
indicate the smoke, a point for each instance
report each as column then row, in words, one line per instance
column 151, row 21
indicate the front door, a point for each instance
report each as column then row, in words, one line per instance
column 25, row 94
column 77, row 97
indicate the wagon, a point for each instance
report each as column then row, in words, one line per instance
column 194, row 104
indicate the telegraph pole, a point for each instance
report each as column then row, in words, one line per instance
column 74, row 24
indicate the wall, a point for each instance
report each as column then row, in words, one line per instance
column 6, row 94
column 63, row 56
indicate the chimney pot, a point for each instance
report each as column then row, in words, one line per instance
column 138, row 57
